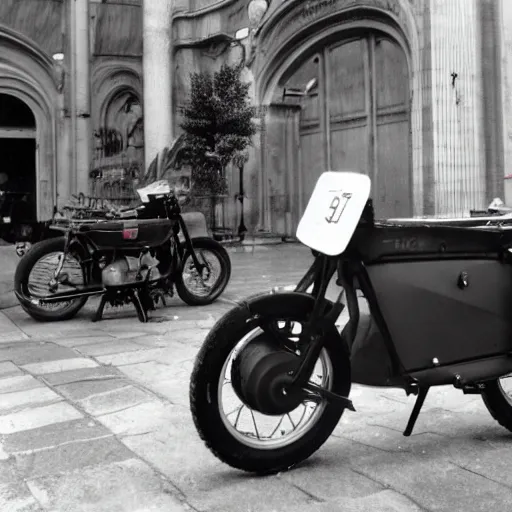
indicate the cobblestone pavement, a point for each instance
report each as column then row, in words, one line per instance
column 95, row 417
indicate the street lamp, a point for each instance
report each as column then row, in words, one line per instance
column 300, row 92
column 256, row 10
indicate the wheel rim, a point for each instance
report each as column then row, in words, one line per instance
column 505, row 385
column 271, row 432
column 42, row 272
column 205, row 284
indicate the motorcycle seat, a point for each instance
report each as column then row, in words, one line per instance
column 128, row 233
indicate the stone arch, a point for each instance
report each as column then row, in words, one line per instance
column 28, row 73
column 117, row 124
column 293, row 28
column 111, row 78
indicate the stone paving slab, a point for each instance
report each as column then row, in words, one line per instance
column 115, row 400
column 12, row 402
column 38, row 417
column 54, row 434
column 67, row 457
column 8, row 369
column 22, row 382
column 16, row 497
column 127, row 486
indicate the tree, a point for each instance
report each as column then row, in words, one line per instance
column 218, row 125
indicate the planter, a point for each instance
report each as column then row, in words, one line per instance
column 212, row 207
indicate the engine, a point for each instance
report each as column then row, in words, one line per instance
column 127, row 270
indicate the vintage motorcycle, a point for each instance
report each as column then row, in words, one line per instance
column 127, row 256
column 273, row 376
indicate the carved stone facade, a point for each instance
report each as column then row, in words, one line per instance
column 417, row 93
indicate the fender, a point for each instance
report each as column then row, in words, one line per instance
column 262, row 303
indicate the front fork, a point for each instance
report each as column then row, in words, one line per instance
column 188, row 242
column 56, row 279
column 319, row 275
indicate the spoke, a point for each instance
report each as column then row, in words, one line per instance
column 254, row 423
column 303, row 413
column 277, row 427
column 238, row 415
column 238, row 409
column 291, row 421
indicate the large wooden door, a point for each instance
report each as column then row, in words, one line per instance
column 358, row 118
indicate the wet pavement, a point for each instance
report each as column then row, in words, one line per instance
column 95, row 417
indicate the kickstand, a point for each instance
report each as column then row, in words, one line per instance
column 99, row 312
column 139, row 306
column 420, row 400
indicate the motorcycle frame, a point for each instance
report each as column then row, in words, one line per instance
column 352, row 275
column 349, row 270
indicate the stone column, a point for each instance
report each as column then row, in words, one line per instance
column 82, row 95
column 157, row 72
column 506, row 93
column 457, row 107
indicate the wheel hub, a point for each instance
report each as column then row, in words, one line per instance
column 261, row 377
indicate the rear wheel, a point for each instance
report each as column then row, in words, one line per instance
column 34, row 273
column 197, row 289
column 497, row 397
column 224, row 411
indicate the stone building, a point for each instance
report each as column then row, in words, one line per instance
column 416, row 93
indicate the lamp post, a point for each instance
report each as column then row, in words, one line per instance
column 256, row 10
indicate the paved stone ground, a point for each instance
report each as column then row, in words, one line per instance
column 95, row 417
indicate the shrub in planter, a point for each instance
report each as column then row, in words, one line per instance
column 218, row 128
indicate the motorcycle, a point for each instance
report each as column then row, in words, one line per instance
column 273, row 377
column 125, row 256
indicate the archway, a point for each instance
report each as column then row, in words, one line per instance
column 28, row 74
column 356, row 118
column 387, row 34
column 18, row 150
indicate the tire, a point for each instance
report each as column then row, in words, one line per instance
column 21, row 277
column 210, row 361
column 498, row 403
column 206, row 244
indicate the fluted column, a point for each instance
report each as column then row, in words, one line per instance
column 506, row 92
column 82, row 95
column 157, row 71
column 459, row 159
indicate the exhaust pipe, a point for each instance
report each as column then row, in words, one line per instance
column 68, row 295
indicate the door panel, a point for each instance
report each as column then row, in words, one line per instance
column 391, row 191
column 391, row 76
column 392, row 187
column 347, row 79
column 357, row 118
column 349, row 148
column 312, row 159
column 282, row 164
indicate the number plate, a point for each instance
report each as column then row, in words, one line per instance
column 333, row 211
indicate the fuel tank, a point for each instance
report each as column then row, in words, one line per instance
column 445, row 312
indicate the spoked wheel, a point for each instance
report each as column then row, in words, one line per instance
column 199, row 288
column 497, row 397
column 34, row 279
column 242, row 403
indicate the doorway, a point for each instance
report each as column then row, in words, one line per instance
column 18, row 165
column 357, row 118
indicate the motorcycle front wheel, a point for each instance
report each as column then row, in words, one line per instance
column 197, row 289
column 241, row 436
column 32, row 277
